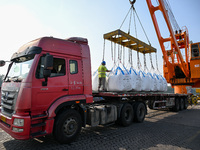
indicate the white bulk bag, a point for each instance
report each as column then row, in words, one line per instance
column 159, row 83
column 153, row 82
column 164, row 81
column 135, row 80
column 95, row 81
column 145, row 81
column 119, row 81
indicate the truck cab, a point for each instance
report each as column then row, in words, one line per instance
column 30, row 100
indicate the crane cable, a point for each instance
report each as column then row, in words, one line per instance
column 142, row 27
column 133, row 10
column 138, row 55
column 119, row 52
column 135, row 25
column 103, row 50
column 125, row 17
column 167, row 6
column 111, row 49
column 151, row 61
column 130, row 57
column 129, row 28
column 145, row 63
column 139, row 65
column 115, row 52
column 175, row 24
column 157, row 64
column 123, row 56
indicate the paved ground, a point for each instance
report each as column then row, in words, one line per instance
column 160, row 130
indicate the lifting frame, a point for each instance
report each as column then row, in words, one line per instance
column 129, row 41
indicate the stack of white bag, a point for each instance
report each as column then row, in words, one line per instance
column 142, row 81
column 119, row 80
column 157, row 82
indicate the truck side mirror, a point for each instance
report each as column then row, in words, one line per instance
column 48, row 66
column 2, row 63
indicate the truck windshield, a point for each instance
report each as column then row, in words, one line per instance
column 19, row 69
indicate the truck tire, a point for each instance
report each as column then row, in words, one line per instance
column 140, row 112
column 177, row 105
column 181, row 102
column 126, row 116
column 67, row 126
column 150, row 104
column 185, row 103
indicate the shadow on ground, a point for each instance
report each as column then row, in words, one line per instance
column 160, row 130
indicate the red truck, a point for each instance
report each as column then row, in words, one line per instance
column 48, row 90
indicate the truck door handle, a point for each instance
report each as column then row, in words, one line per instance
column 65, row 89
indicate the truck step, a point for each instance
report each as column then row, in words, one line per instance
column 36, row 134
column 161, row 101
column 38, row 125
column 161, row 107
column 109, row 124
column 39, row 116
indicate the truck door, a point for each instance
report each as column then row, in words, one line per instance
column 57, row 85
column 75, row 77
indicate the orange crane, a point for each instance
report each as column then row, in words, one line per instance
column 178, row 70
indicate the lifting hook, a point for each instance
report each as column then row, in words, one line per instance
column 132, row 2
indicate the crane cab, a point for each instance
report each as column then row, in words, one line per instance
column 195, row 60
column 195, row 47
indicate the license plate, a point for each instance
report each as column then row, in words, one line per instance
column 3, row 118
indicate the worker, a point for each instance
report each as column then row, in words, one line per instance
column 102, row 75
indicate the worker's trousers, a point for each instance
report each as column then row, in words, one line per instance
column 102, row 82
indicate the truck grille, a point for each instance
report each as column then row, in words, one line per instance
column 8, row 99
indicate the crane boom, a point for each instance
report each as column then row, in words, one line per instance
column 176, row 68
column 184, row 67
column 178, row 71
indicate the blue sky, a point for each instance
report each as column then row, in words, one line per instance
column 23, row 21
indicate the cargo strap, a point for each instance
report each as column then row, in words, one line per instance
column 157, row 64
column 145, row 63
column 150, row 56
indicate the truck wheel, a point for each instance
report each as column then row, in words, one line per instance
column 140, row 112
column 67, row 126
column 181, row 101
column 176, row 107
column 185, row 103
column 126, row 116
column 150, row 104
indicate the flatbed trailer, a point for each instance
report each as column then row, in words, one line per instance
column 135, row 94
column 154, row 100
column 125, row 107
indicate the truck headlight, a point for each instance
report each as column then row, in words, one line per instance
column 18, row 122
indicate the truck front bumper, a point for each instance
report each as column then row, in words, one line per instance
column 17, row 132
